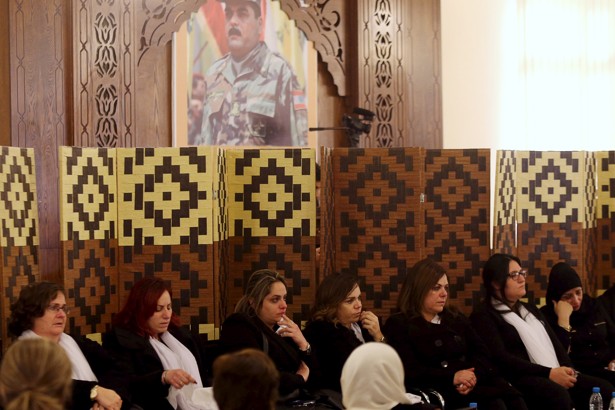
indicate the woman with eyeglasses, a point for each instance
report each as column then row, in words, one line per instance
column 581, row 324
column 260, row 322
column 440, row 349
column 41, row 311
column 523, row 344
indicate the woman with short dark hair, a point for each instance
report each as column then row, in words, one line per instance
column 161, row 359
column 41, row 311
column 440, row 349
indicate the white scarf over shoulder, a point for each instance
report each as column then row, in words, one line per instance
column 532, row 332
column 80, row 365
column 174, row 355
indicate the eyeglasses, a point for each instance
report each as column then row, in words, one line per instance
column 516, row 274
column 56, row 308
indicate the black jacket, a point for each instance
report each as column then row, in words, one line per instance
column 141, row 364
column 433, row 353
column 507, row 348
column 107, row 372
column 331, row 345
column 240, row 331
column 591, row 344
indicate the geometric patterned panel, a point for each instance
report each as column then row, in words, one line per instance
column 165, row 196
column 90, row 278
column 457, row 218
column 377, row 219
column 292, row 257
column 271, row 208
column 271, row 192
column 18, row 227
column 605, row 238
column 88, row 233
column 220, row 245
column 550, row 186
column 590, row 231
column 88, row 193
column 18, row 201
column 327, row 225
column 551, row 204
column 187, row 268
column 505, row 218
column 542, row 245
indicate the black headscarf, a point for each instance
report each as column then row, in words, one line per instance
column 561, row 279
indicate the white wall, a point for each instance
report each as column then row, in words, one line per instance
column 474, row 62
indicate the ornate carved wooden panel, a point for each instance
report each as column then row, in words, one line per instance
column 400, row 72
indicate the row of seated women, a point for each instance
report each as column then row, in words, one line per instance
column 519, row 360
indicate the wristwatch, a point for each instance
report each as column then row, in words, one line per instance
column 308, row 350
column 94, row 393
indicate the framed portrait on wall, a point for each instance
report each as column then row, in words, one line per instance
column 242, row 77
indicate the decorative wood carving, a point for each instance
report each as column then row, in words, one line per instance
column 323, row 23
column 399, row 80
column 162, row 18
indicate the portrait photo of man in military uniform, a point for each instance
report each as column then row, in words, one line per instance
column 252, row 95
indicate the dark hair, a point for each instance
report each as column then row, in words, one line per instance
column 245, row 379
column 420, row 279
column 33, row 300
column 141, row 305
column 332, row 291
column 495, row 270
column 252, row 4
column 35, row 375
column 258, row 287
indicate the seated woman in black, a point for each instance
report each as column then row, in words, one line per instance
column 41, row 311
column 523, row 344
column 439, row 348
column 160, row 358
column 260, row 322
column 583, row 327
column 337, row 326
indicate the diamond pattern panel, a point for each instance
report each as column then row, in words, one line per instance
column 457, row 201
column 188, row 269
column 88, row 232
column 377, row 219
column 605, row 237
column 165, row 196
column 271, row 192
column 18, row 226
column 504, row 203
column 291, row 256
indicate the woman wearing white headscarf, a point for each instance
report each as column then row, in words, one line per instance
column 373, row 379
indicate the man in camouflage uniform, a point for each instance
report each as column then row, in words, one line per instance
column 253, row 96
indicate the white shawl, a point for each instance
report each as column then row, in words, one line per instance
column 532, row 332
column 174, row 355
column 81, row 367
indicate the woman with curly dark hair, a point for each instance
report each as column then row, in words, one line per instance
column 41, row 311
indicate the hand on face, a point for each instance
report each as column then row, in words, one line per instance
column 288, row 328
column 370, row 322
column 563, row 310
